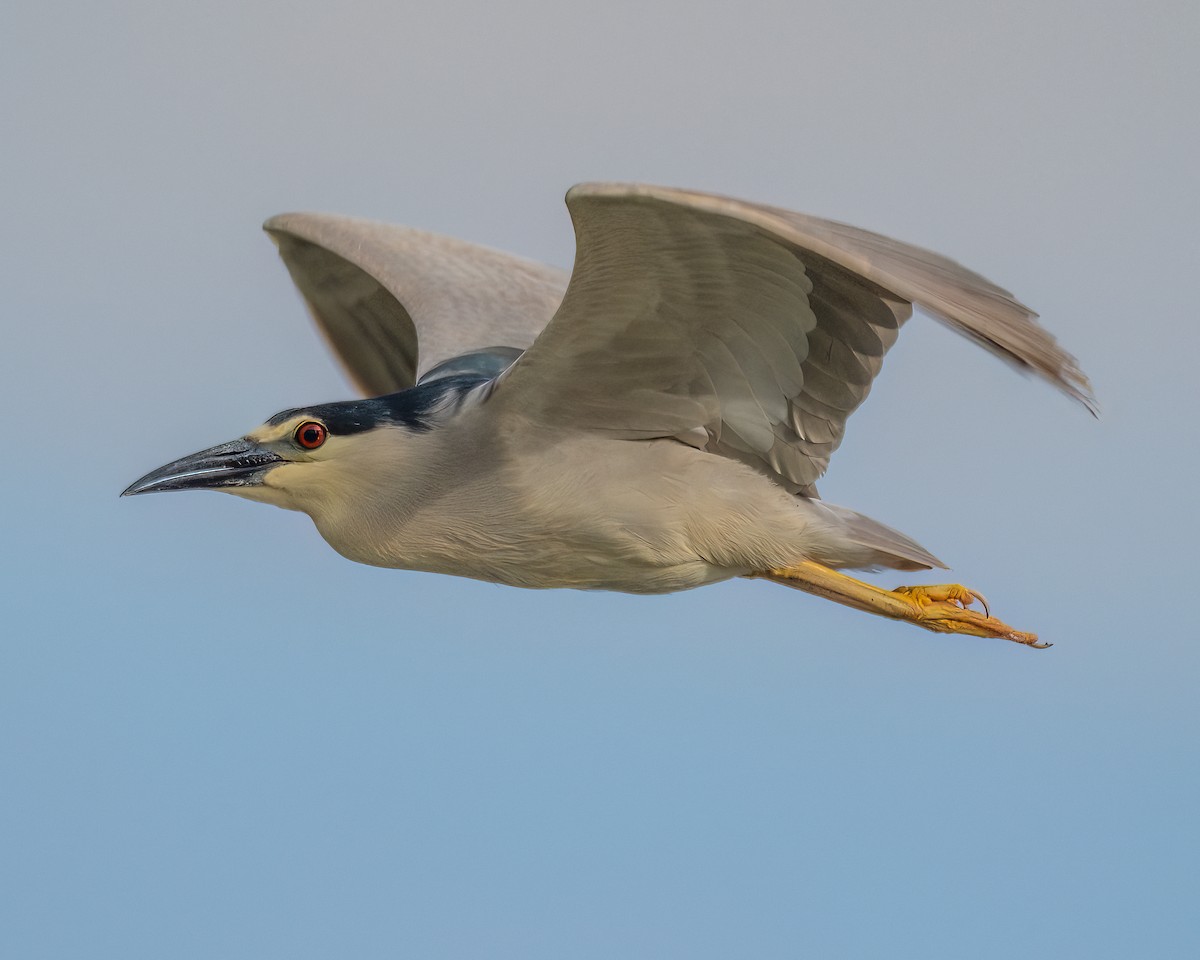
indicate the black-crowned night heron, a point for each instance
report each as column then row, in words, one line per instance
column 656, row 423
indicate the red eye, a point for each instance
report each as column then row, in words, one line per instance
column 311, row 434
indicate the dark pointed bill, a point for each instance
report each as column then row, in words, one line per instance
column 239, row 463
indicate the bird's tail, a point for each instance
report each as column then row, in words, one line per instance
column 867, row 544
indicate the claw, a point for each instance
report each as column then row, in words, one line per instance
column 983, row 603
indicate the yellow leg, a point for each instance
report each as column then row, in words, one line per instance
column 943, row 608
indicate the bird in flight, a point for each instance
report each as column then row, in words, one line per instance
column 655, row 421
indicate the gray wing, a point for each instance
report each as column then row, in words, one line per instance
column 746, row 330
column 395, row 303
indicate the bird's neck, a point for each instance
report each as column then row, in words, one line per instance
column 404, row 500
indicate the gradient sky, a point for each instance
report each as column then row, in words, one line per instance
column 218, row 739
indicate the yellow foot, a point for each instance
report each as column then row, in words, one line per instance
column 944, row 608
column 937, row 593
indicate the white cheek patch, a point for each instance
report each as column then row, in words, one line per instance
column 329, row 479
column 294, row 486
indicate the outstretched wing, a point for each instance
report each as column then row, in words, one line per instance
column 746, row 330
column 395, row 302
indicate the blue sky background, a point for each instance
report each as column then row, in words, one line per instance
column 220, row 739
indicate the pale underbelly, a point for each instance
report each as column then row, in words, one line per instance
column 577, row 569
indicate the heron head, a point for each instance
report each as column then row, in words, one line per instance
column 313, row 458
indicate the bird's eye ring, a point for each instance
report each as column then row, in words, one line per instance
column 311, row 434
